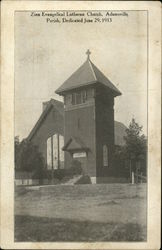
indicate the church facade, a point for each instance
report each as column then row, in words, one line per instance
column 81, row 128
column 89, row 120
column 51, row 125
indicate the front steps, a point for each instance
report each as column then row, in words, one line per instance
column 73, row 180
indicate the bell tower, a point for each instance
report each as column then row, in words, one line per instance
column 89, row 120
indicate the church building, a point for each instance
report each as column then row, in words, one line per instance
column 89, row 120
column 48, row 134
column 83, row 127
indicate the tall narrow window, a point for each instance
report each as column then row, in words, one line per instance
column 55, row 154
column 84, row 96
column 55, row 151
column 69, row 99
column 49, row 154
column 105, row 156
column 61, row 144
column 78, row 98
column 73, row 98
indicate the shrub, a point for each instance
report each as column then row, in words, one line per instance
column 27, row 157
column 59, row 174
column 40, row 174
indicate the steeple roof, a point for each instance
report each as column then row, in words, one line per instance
column 87, row 74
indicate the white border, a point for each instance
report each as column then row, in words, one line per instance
column 7, row 120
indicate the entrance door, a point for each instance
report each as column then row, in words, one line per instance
column 83, row 162
column 82, row 158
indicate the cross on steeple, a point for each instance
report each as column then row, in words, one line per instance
column 88, row 54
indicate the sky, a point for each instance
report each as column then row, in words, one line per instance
column 46, row 54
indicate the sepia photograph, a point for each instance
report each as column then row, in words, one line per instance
column 80, row 126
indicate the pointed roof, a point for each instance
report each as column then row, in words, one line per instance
column 87, row 74
column 74, row 144
column 57, row 105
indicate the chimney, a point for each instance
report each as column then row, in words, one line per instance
column 44, row 105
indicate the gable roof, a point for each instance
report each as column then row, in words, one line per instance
column 74, row 143
column 57, row 105
column 120, row 132
column 87, row 74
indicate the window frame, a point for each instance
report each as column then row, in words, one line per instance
column 79, row 97
column 105, row 153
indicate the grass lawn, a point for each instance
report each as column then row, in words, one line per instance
column 104, row 212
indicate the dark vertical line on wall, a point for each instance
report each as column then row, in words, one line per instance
column 52, row 152
column 58, row 145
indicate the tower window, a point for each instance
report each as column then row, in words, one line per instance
column 68, row 99
column 84, row 96
column 73, row 98
column 105, row 156
column 79, row 97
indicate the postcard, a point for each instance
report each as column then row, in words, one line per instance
column 80, row 125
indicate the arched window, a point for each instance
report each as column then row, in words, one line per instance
column 61, row 152
column 49, row 153
column 55, row 155
column 55, row 151
column 105, row 156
